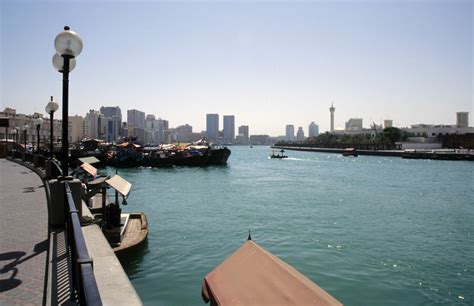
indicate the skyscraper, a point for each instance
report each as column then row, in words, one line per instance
column 212, row 126
column 462, row 119
column 313, row 130
column 92, row 124
column 136, row 124
column 111, row 123
column 332, row 109
column 290, row 132
column 244, row 134
column 229, row 128
column 135, row 118
column 300, row 134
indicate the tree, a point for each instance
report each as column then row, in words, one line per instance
column 393, row 134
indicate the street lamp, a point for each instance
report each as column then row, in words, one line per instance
column 25, row 129
column 68, row 45
column 50, row 109
column 38, row 123
column 14, row 136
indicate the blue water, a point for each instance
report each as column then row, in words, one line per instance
column 369, row 230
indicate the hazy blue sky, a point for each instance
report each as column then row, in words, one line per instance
column 268, row 63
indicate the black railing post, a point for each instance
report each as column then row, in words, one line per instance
column 83, row 279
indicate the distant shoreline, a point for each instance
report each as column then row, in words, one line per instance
column 412, row 154
column 397, row 153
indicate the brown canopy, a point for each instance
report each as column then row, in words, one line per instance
column 253, row 276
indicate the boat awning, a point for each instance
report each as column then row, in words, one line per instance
column 90, row 160
column 89, row 169
column 119, row 184
column 253, row 276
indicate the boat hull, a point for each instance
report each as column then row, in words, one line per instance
column 136, row 232
column 219, row 156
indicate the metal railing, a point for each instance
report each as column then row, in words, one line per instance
column 83, row 279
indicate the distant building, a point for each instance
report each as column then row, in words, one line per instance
column 136, row 124
column 313, row 130
column 111, row 111
column 111, row 123
column 260, row 140
column 77, row 131
column 432, row 131
column 136, row 118
column 16, row 123
column 354, row 124
column 462, row 119
column 183, row 133
column 243, row 136
column 163, row 131
column 290, row 132
column 332, row 109
column 151, row 129
column 387, row 123
column 229, row 128
column 300, row 134
column 91, row 127
column 212, row 126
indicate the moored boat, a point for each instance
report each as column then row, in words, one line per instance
column 219, row 156
column 133, row 232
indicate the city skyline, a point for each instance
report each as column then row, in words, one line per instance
column 268, row 64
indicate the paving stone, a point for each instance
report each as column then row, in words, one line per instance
column 23, row 235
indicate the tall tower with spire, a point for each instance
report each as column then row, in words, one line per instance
column 332, row 109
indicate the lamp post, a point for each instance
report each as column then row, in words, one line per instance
column 38, row 123
column 14, row 138
column 50, row 109
column 68, row 45
column 25, row 129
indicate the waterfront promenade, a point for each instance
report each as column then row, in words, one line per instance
column 23, row 235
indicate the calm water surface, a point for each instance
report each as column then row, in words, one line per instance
column 370, row 230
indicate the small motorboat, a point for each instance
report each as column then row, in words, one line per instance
column 280, row 155
column 350, row 152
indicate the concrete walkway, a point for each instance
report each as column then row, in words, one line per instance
column 23, row 236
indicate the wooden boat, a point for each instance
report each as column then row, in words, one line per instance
column 133, row 232
column 219, row 156
column 350, row 152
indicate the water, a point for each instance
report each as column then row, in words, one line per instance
column 370, row 230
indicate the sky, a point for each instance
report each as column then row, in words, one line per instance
column 269, row 63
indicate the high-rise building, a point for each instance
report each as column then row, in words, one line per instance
column 136, row 124
column 290, row 132
column 229, row 128
column 313, row 130
column 332, row 109
column 111, row 123
column 243, row 134
column 354, row 124
column 92, row 124
column 212, row 126
column 462, row 119
column 300, row 134
column 77, row 132
column 151, row 128
column 136, row 118
column 111, row 111
column 162, row 134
